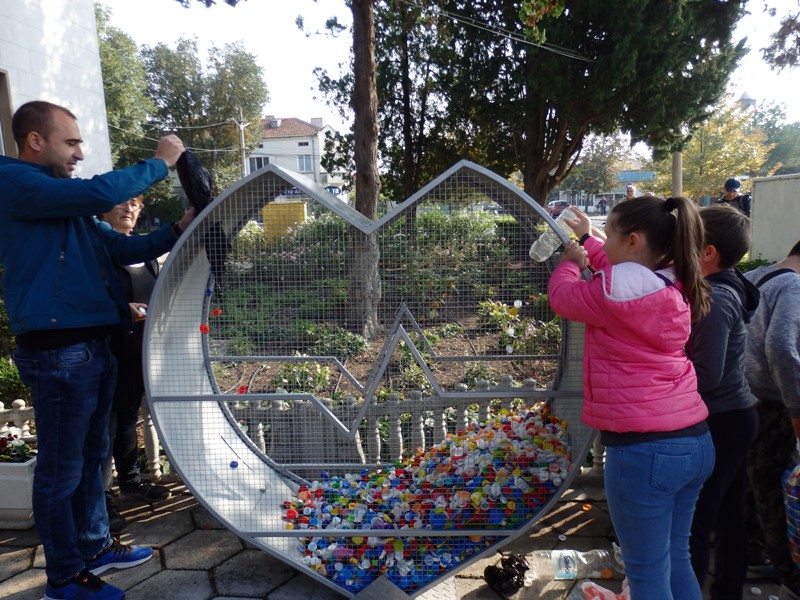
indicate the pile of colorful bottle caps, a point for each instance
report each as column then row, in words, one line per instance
column 791, row 500
column 490, row 476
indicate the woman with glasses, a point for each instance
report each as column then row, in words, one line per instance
column 137, row 281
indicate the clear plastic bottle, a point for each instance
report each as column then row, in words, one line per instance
column 543, row 248
column 547, row 565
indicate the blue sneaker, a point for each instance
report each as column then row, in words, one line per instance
column 118, row 556
column 83, row 586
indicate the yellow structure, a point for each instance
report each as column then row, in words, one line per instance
column 281, row 217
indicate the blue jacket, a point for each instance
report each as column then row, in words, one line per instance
column 57, row 258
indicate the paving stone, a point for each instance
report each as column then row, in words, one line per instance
column 173, row 585
column 474, row 589
column 128, row 578
column 14, row 560
column 201, row 550
column 252, row 574
column 305, row 588
column 28, row 585
column 159, row 529
column 38, row 557
column 18, row 538
column 475, row 570
column 204, row 520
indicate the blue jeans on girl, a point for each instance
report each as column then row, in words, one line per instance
column 71, row 390
column 652, row 488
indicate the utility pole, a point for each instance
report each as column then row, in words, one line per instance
column 242, row 154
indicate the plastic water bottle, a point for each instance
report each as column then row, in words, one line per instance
column 547, row 243
column 570, row 564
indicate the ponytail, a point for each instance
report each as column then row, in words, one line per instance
column 685, row 254
column 674, row 232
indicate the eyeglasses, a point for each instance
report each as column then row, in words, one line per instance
column 134, row 206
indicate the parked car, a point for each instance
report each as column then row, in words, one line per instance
column 555, row 207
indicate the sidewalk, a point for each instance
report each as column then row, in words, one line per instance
column 198, row 559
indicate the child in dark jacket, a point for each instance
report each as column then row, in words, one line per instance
column 717, row 349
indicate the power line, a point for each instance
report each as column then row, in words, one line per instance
column 502, row 32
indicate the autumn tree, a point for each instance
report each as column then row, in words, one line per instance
column 726, row 145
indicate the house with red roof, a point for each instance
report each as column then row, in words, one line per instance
column 296, row 145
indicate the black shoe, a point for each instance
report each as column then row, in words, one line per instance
column 146, row 491
column 117, row 525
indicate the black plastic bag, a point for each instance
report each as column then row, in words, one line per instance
column 195, row 180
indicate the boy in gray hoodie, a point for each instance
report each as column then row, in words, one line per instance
column 717, row 350
column 773, row 371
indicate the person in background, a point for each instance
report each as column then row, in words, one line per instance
column 138, row 281
column 772, row 366
column 732, row 197
column 63, row 301
column 716, row 348
column 630, row 191
column 640, row 387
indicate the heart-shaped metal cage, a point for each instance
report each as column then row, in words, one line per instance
column 400, row 458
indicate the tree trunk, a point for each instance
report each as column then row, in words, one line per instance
column 365, row 285
column 409, row 164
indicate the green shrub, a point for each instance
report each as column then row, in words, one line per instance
column 746, row 264
column 302, row 377
column 11, row 386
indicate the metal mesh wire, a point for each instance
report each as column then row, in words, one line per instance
column 405, row 453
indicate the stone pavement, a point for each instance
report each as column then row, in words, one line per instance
column 196, row 558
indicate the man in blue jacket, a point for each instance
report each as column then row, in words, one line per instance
column 63, row 300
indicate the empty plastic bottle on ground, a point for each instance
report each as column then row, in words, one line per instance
column 571, row 564
column 543, row 248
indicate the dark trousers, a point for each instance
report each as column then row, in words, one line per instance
column 125, row 409
column 720, row 506
column 769, row 456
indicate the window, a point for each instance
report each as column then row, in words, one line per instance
column 258, row 162
column 7, row 145
column 304, row 164
column 302, row 143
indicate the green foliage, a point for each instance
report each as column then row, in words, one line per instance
column 124, row 86
column 335, row 341
column 203, row 102
column 450, row 90
column 784, row 49
column 412, row 377
column 302, row 377
column 748, row 264
column 533, row 11
column 479, row 371
column 602, row 158
column 13, row 449
column 11, row 386
column 519, row 334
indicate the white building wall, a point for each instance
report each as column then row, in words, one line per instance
column 285, row 152
column 49, row 51
column 775, row 215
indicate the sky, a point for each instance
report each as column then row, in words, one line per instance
column 268, row 31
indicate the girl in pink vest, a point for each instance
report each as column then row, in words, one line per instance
column 640, row 387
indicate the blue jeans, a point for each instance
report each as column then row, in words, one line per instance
column 71, row 390
column 652, row 488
